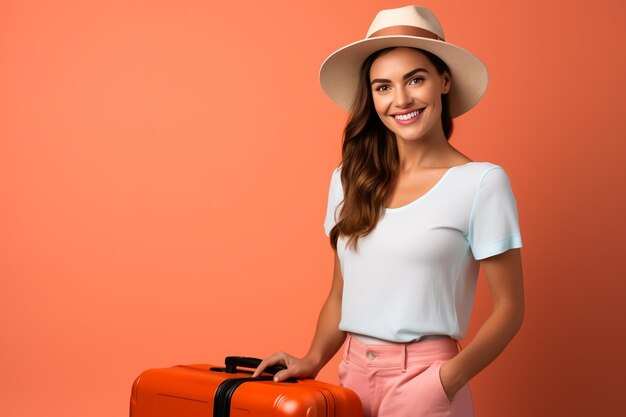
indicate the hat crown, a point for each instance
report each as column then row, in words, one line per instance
column 416, row 16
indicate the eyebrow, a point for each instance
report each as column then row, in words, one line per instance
column 404, row 77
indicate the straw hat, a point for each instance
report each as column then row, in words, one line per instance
column 409, row 26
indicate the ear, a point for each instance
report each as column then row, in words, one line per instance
column 445, row 89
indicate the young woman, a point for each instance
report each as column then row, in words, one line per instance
column 411, row 219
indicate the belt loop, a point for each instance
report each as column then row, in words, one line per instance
column 347, row 351
column 404, row 357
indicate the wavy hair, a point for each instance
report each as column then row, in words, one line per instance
column 369, row 161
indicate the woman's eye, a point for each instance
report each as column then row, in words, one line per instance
column 382, row 88
column 417, row 80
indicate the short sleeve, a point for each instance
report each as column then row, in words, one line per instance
column 493, row 225
column 335, row 197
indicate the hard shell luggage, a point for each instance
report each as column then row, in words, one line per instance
column 212, row 391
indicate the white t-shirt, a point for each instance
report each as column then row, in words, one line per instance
column 416, row 272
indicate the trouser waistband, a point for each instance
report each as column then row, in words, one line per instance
column 393, row 354
column 375, row 341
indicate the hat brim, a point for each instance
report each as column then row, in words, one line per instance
column 339, row 73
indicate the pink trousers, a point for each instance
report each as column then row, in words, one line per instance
column 402, row 380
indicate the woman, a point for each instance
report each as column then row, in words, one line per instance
column 411, row 219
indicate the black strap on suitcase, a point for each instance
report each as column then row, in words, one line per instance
column 225, row 391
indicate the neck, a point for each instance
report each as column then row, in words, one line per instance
column 428, row 151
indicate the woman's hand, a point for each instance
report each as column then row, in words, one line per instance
column 447, row 381
column 296, row 367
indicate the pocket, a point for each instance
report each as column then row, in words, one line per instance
column 437, row 375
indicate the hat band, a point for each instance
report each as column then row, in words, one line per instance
column 405, row 30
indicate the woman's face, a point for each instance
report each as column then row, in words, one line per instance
column 406, row 90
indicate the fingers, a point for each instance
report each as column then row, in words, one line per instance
column 275, row 359
column 260, row 368
column 281, row 375
column 296, row 368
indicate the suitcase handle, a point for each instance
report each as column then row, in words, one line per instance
column 232, row 362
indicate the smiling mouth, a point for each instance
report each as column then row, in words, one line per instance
column 409, row 116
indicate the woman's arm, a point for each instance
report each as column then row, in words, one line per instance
column 504, row 277
column 326, row 342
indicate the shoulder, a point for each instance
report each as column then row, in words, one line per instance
column 481, row 171
column 491, row 181
column 335, row 178
column 335, row 187
column 481, row 178
column 479, row 166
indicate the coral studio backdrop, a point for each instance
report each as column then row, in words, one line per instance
column 164, row 170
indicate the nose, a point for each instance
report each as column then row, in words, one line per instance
column 402, row 98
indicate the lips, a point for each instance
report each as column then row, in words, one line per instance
column 408, row 116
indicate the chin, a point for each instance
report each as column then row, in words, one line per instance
column 410, row 137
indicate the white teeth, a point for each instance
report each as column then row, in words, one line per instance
column 407, row 116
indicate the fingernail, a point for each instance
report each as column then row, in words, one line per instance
column 275, row 379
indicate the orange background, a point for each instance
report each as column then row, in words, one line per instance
column 164, row 169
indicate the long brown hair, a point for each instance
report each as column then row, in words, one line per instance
column 370, row 158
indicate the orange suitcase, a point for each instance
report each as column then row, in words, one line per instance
column 210, row 391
